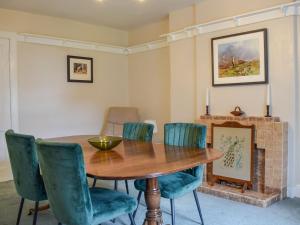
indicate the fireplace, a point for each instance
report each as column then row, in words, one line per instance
column 270, row 161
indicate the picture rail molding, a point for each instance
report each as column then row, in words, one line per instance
column 275, row 12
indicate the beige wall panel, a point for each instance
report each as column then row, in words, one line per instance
column 251, row 98
column 182, row 18
column 183, row 86
column 16, row 21
column 149, row 86
column 51, row 106
column 208, row 10
column 147, row 33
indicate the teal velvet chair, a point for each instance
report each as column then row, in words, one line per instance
column 25, row 168
column 135, row 132
column 70, row 198
column 178, row 184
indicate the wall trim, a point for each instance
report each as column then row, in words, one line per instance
column 12, row 37
column 161, row 43
column 69, row 43
column 5, row 171
column 294, row 192
column 275, row 12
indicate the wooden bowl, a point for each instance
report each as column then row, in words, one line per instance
column 105, row 142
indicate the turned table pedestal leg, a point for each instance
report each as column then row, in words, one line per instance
column 152, row 198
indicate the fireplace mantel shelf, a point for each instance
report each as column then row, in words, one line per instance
column 241, row 118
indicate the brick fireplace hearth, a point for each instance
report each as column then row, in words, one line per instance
column 271, row 152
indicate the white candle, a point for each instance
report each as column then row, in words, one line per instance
column 268, row 94
column 207, row 96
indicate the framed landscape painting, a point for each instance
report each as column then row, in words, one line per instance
column 80, row 69
column 236, row 141
column 240, row 58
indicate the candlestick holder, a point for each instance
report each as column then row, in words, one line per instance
column 207, row 110
column 268, row 111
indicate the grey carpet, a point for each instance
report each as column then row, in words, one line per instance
column 216, row 211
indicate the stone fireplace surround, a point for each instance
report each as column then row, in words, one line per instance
column 271, row 141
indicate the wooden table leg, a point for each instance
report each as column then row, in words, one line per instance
column 152, row 198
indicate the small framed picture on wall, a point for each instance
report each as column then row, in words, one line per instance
column 240, row 58
column 80, row 69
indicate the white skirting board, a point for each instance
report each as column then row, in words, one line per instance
column 296, row 191
column 5, row 171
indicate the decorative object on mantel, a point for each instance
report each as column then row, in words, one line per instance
column 236, row 141
column 240, row 58
column 207, row 102
column 237, row 111
column 268, row 101
column 80, row 69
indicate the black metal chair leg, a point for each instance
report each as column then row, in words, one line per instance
column 172, row 211
column 131, row 219
column 116, row 188
column 198, row 206
column 138, row 203
column 36, row 209
column 59, row 223
column 127, row 189
column 94, row 182
column 116, row 185
column 20, row 211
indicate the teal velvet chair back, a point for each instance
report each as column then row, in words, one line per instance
column 25, row 167
column 186, row 135
column 65, row 180
column 138, row 131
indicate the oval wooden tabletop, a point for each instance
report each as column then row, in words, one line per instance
column 135, row 160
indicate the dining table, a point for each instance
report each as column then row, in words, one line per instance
column 141, row 160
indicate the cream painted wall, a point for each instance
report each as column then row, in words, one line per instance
column 147, row 33
column 149, row 76
column 182, row 18
column 16, row 21
column 208, row 10
column 251, row 98
column 183, row 86
column 183, row 69
column 50, row 106
column 149, row 86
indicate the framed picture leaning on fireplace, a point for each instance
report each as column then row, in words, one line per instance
column 80, row 69
column 240, row 58
column 236, row 141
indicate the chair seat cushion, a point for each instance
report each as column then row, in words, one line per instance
column 108, row 204
column 174, row 185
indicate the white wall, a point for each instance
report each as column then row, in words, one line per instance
column 50, row 106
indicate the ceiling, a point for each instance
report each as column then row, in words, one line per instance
column 121, row 14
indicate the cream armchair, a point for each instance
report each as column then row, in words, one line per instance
column 113, row 126
column 115, row 119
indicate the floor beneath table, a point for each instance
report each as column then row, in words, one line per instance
column 216, row 211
